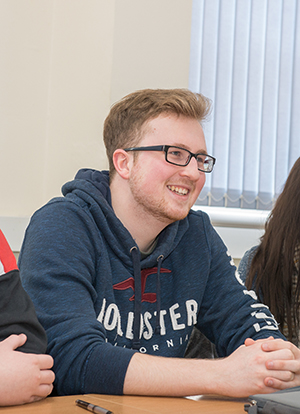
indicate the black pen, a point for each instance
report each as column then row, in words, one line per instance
column 93, row 408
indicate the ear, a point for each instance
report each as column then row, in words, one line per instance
column 121, row 162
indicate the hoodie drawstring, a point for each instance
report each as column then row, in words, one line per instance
column 136, row 343
column 137, row 296
column 158, row 296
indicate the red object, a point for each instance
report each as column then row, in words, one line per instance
column 7, row 259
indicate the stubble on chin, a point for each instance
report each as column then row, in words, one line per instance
column 158, row 209
column 148, row 205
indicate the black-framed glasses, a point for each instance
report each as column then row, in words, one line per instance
column 180, row 156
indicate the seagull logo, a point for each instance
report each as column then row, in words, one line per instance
column 129, row 284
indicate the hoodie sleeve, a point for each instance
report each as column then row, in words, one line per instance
column 58, row 263
column 17, row 313
column 229, row 312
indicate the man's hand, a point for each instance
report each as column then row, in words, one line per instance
column 283, row 362
column 23, row 377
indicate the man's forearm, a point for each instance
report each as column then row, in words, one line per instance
column 152, row 375
column 243, row 373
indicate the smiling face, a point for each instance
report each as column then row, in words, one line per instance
column 165, row 191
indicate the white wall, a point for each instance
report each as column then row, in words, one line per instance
column 55, row 81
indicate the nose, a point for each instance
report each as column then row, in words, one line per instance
column 191, row 170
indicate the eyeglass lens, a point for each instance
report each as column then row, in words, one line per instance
column 182, row 157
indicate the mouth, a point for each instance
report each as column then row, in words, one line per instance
column 178, row 190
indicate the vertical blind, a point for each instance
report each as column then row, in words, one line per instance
column 245, row 56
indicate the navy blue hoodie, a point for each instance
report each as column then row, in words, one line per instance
column 100, row 303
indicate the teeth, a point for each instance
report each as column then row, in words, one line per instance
column 178, row 190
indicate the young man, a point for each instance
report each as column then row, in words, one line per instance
column 121, row 264
column 25, row 376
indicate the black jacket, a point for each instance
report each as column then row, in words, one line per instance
column 17, row 313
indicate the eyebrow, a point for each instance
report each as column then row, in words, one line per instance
column 202, row 151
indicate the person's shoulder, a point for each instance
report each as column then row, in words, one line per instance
column 245, row 262
column 57, row 207
column 197, row 214
column 199, row 218
column 249, row 254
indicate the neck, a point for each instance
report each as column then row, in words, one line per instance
column 143, row 228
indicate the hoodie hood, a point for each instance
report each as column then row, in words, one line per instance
column 90, row 189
